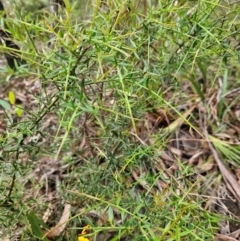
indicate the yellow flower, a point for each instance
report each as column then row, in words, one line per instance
column 81, row 238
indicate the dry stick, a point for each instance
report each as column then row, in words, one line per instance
column 228, row 177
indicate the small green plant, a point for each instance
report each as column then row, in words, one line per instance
column 110, row 97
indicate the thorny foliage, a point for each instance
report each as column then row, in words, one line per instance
column 118, row 121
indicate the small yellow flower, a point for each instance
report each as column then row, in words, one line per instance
column 81, row 238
